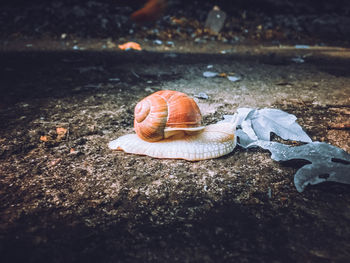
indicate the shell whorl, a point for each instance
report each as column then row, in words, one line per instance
column 142, row 110
column 162, row 113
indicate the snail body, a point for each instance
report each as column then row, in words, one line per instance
column 168, row 125
column 213, row 141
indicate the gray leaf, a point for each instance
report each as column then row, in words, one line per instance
column 243, row 139
column 328, row 163
column 242, row 114
column 315, row 174
column 279, row 122
column 258, row 124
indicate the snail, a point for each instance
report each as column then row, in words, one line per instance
column 168, row 125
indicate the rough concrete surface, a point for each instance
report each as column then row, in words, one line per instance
column 65, row 197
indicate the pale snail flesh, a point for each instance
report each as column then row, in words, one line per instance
column 189, row 140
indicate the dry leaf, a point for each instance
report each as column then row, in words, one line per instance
column 258, row 124
column 326, row 162
column 130, row 45
column 339, row 126
column 61, row 131
column 44, row 138
column 178, row 21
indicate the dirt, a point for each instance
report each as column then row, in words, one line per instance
column 65, row 197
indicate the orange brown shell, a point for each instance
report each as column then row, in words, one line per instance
column 165, row 111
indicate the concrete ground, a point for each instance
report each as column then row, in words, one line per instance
column 65, row 197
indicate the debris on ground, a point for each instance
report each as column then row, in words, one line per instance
column 202, row 95
column 210, row 74
column 230, row 76
column 327, row 162
column 130, row 45
column 215, row 20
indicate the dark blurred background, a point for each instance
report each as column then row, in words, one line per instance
column 318, row 20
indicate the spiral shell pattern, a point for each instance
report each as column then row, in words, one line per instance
column 165, row 110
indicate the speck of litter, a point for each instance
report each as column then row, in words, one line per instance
column 302, row 46
column 202, row 95
column 233, row 78
column 158, row 42
column 148, row 89
column 269, row 193
column 114, row 79
column 209, row 74
column 170, row 43
column 298, row 60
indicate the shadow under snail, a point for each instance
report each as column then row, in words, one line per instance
column 168, row 125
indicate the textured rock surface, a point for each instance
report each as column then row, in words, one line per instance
column 65, row 197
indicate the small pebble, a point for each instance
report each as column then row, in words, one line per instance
column 170, row 43
column 158, row 42
column 209, row 74
column 202, row 95
column 233, row 78
column 302, row 46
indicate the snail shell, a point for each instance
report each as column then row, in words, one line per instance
column 166, row 113
column 168, row 125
